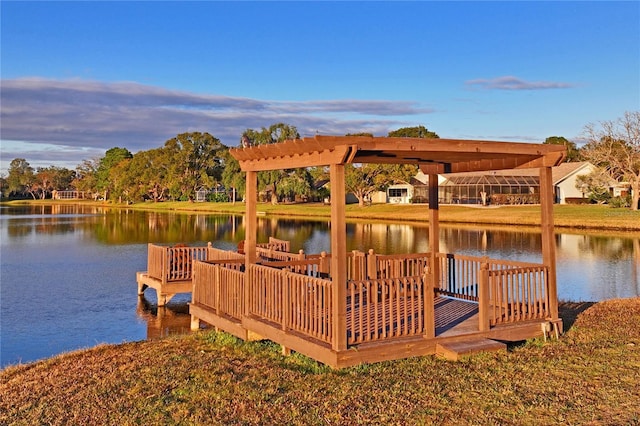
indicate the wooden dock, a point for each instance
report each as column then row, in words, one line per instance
column 386, row 318
column 347, row 308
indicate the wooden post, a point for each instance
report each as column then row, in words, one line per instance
column 217, row 287
column 372, row 265
column 195, row 323
column 338, row 257
column 251, row 230
column 429, row 305
column 323, row 267
column 548, row 238
column 483, row 297
column 434, row 230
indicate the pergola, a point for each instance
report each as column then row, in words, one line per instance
column 432, row 156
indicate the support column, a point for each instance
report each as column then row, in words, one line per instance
column 251, row 218
column 434, row 248
column 338, row 257
column 548, row 238
column 251, row 230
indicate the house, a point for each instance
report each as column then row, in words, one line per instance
column 514, row 186
column 565, row 177
column 416, row 191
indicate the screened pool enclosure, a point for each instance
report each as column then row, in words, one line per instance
column 491, row 188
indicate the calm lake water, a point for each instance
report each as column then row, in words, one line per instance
column 67, row 273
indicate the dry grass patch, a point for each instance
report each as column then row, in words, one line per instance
column 589, row 376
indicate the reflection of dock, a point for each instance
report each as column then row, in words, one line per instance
column 164, row 320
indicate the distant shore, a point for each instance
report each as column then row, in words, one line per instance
column 568, row 217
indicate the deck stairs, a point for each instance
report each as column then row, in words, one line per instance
column 455, row 350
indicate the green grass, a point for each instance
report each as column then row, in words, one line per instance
column 589, row 376
column 596, row 217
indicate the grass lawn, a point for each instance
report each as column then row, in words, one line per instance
column 588, row 376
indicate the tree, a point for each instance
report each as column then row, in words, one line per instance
column 298, row 182
column 595, row 186
column 615, row 147
column 364, row 179
column 103, row 173
column 196, row 162
column 279, row 132
column 413, row 132
column 232, row 176
column 4, row 186
column 573, row 153
column 52, row 178
column 21, row 177
column 86, row 177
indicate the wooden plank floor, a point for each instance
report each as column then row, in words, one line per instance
column 455, row 316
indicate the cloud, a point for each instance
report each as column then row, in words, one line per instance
column 515, row 83
column 90, row 114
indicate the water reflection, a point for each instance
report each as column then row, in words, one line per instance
column 88, row 256
column 164, row 320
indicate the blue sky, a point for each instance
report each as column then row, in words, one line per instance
column 81, row 77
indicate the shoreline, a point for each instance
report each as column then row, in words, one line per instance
column 572, row 218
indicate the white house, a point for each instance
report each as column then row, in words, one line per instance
column 564, row 180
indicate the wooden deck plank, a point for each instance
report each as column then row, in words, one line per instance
column 454, row 350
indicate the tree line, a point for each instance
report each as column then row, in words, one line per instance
column 192, row 161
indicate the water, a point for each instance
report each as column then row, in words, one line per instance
column 67, row 273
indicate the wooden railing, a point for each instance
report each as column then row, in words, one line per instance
column 518, row 294
column 295, row 294
column 276, row 245
column 220, row 285
column 314, row 266
column 385, row 308
column 295, row 302
column 273, row 255
column 459, row 275
column 219, row 254
column 362, row 266
column 506, row 291
column 398, row 265
column 168, row 264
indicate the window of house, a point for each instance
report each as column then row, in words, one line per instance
column 397, row 192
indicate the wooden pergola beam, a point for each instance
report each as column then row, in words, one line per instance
column 432, row 155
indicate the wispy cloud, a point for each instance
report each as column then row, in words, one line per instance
column 90, row 114
column 62, row 122
column 515, row 83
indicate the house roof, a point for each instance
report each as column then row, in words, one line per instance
column 433, row 156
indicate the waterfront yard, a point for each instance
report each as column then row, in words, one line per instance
column 588, row 376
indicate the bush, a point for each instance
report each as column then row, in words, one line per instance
column 620, row 202
column 217, row 197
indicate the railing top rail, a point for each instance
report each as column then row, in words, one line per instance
column 403, row 256
column 221, row 261
column 375, row 280
column 489, row 260
column 524, row 269
column 283, row 263
column 318, row 255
